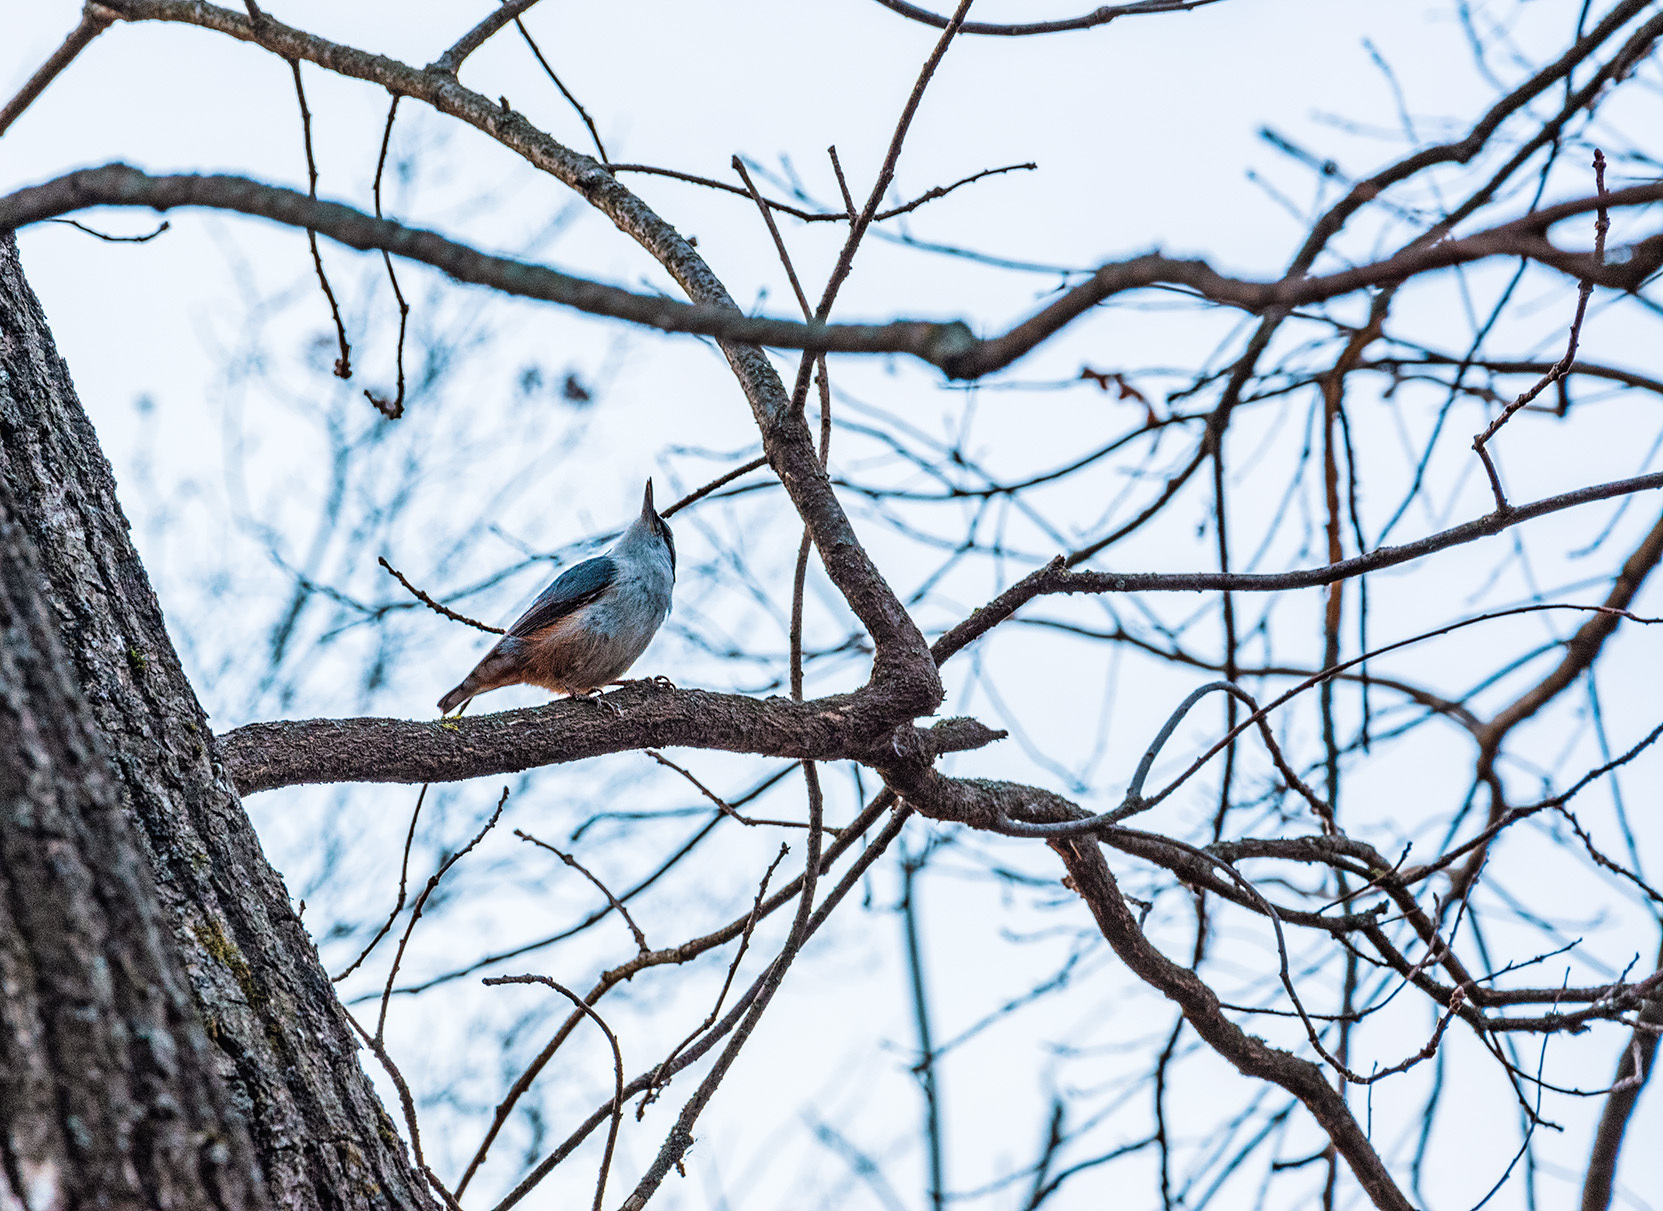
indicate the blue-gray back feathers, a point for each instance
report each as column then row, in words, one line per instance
column 576, row 587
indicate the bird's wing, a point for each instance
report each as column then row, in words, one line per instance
column 573, row 589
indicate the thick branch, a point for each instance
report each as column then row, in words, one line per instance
column 984, row 804
column 263, row 756
column 1252, row 1056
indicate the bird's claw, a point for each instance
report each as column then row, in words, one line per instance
column 599, row 699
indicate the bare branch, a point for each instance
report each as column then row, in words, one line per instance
column 614, row 901
column 742, row 1007
column 951, row 346
column 1098, row 16
column 825, row 216
column 114, row 239
column 434, row 605
column 1055, row 577
column 343, row 364
column 1200, row 1006
column 617, row 1068
column 1560, row 368
column 564, row 91
column 451, row 61
column 725, row 478
column 94, row 21
column 262, row 756
column 394, row 408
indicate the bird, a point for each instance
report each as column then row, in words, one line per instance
column 587, row 628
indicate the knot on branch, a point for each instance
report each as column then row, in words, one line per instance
column 959, row 734
column 947, row 344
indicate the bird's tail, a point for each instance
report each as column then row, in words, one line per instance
column 503, row 665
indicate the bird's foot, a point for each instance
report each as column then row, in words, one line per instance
column 599, row 699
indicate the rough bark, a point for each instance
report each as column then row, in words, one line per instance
column 108, row 1094
column 844, row 727
column 282, row 1046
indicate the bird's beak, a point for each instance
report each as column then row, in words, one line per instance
column 646, row 502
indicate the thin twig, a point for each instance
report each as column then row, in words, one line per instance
column 435, row 606
column 421, row 903
column 611, row 978
column 617, row 904
column 398, row 907
column 617, row 1067
column 664, row 1067
column 824, row 216
column 774, row 231
column 1098, row 16
column 564, row 91
column 722, row 805
column 378, row 1047
column 1602, row 224
column 394, row 408
column 680, row 1138
column 842, row 183
column 343, row 364
column 743, row 1006
column 114, row 239
column 726, row 477
column 799, row 577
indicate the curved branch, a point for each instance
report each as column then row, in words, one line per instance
column 1055, row 577
column 982, row 804
column 1098, row 16
column 950, row 346
column 1200, row 1006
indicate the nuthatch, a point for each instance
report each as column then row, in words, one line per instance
column 590, row 625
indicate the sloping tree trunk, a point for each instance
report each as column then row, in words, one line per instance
column 131, row 873
column 107, row 1084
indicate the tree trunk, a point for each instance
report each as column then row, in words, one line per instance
column 107, row 1085
column 132, row 872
